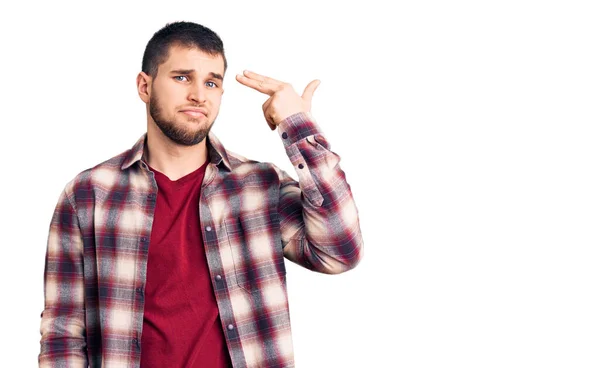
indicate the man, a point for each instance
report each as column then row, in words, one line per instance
column 184, row 240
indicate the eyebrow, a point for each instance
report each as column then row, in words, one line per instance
column 192, row 71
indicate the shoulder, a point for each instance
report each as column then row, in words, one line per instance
column 107, row 174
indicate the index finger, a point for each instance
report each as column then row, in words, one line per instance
column 260, row 77
column 260, row 86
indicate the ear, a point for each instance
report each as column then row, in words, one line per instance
column 144, row 83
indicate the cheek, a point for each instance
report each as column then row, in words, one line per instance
column 216, row 104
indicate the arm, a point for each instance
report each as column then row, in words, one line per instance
column 62, row 326
column 318, row 217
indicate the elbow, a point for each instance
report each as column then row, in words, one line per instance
column 354, row 261
column 346, row 261
column 351, row 262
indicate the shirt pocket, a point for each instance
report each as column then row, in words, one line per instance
column 257, row 255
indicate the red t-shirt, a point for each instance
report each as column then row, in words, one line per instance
column 181, row 327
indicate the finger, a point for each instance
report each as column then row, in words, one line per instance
column 260, row 77
column 310, row 90
column 262, row 87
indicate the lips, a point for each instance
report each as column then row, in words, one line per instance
column 195, row 112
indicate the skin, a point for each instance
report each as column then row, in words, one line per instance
column 283, row 101
column 176, row 141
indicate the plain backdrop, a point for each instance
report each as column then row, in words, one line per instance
column 468, row 131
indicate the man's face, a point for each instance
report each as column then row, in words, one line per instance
column 189, row 80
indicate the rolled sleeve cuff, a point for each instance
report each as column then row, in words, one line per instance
column 296, row 127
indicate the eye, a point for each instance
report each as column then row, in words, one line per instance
column 180, row 76
column 211, row 84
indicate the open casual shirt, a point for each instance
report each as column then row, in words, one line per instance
column 252, row 215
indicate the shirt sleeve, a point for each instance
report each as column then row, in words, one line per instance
column 318, row 217
column 62, row 326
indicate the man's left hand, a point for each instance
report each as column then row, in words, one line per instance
column 283, row 101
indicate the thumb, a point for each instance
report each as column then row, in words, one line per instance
column 310, row 90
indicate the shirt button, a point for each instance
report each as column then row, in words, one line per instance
column 284, row 135
column 301, row 166
column 135, row 341
column 139, row 290
column 151, row 196
column 208, row 228
column 230, row 327
column 218, row 277
column 144, row 238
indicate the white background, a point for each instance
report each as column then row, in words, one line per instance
column 468, row 131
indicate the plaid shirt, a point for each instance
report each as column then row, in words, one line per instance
column 252, row 215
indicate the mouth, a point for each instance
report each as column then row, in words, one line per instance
column 194, row 113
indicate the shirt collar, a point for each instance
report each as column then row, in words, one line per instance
column 216, row 152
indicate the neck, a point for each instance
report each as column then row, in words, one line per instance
column 171, row 159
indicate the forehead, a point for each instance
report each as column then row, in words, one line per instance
column 192, row 58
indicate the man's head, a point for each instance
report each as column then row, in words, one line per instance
column 182, row 69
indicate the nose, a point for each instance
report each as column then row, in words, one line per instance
column 197, row 93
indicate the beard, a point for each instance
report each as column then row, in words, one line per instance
column 170, row 128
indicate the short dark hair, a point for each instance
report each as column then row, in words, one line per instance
column 182, row 34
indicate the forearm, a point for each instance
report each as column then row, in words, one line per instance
column 63, row 342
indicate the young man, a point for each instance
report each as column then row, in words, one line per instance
column 171, row 253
